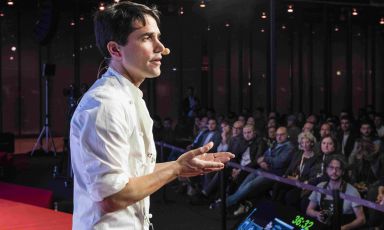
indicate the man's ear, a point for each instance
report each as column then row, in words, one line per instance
column 114, row 49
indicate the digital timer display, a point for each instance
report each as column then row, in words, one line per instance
column 302, row 223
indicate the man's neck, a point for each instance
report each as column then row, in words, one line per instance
column 121, row 70
column 335, row 184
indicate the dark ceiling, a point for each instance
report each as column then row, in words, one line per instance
column 233, row 10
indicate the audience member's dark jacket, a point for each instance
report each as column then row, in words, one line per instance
column 349, row 145
column 255, row 151
column 279, row 157
column 216, row 139
column 320, row 168
column 308, row 170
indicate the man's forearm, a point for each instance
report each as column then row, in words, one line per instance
column 140, row 187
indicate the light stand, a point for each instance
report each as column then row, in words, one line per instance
column 46, row 130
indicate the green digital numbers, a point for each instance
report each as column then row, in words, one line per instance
column 302, row 223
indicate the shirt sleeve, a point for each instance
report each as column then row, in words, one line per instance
column 105, row 150
column 353, row 192
column 315, row 196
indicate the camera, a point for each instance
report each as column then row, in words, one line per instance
column 326, row 216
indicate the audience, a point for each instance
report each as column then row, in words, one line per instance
column 259, row 144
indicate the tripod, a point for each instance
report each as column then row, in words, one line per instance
column 45, row 130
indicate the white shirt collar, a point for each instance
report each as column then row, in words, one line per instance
column 125, row 82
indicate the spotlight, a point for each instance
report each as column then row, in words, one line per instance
column 116, row 1
column 2, row 14
column 101, row 6
column 381, row 21
column 283, row 27
column 81, row 18
column 354, row 12
column 290, row 8
column 181, row 10
column 263, row 15
column 202, row 4
column 72, row 23
column 262, row 30
column 10, row 3
column 338, row 73
column 13, row 48
column 336, row 29
column 227, row 24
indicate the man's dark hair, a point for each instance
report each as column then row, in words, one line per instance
column 115, row 23
column 338, row 157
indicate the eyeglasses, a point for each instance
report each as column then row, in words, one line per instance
column 334, row 168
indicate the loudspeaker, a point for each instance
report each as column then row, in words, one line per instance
column 49, row 69
column 46, row 24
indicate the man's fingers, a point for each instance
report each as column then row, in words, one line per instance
column 203, row 149
column 226, row 156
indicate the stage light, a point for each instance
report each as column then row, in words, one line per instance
column 283, row 27
column 354, row 12
column 381, row 21
column 13, row 48
column 116, row 1
column 338, row 73
column 101, row 6
column 2, row 14
column 227, row 24
column 262, row 30
column 202, row 4
column 11, row 58
column 10, row 3
column 181, row 10
column 290, row 8
column 81, row 18
column 208, row 28
column 336, row 29
column 263, row 15
column 72, row 23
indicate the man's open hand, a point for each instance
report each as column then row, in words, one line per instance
column 198, row 161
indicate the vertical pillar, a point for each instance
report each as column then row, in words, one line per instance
column 228, row 72
column 271, row 82
column 348, row 80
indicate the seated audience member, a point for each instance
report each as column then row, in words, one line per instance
column 379, row 126
column 252, row 149
column 325, row 130
column 346, row 137
column 246, row 154
column 250, row 121
column 321, row 206
column 226, row 134
column 367, row 132
column 328, row 149
column 376, row 194
column 270, row 139
column 210, row 134
column 308, row 127
column 365, row 166
column 300, row 168
column 275, row 160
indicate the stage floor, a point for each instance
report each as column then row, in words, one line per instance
column 15, row 216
